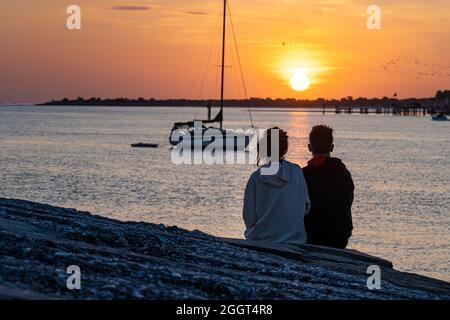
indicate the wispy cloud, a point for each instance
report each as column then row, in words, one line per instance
column 196, row 12
column 131, row 8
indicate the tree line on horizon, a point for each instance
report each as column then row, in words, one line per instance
column 441, row 97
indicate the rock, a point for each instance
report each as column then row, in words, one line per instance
column 137, row 260
column 123, row 241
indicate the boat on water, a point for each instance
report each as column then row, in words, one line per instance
column 201, row 133
column 439, row 117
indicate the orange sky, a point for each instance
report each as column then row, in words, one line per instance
column 162, row 51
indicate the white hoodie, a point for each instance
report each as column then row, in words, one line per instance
column 275, row 205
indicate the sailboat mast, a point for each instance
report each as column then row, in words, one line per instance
column 223, row 58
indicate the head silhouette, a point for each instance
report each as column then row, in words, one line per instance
column 321, row 140
column 266, row 143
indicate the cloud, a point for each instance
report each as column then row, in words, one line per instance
column 131, row 8
column 196, row 12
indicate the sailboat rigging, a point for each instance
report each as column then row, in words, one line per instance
column 222, row 84
column 187, row 128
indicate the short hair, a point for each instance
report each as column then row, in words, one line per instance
column 283, row 143
column 321, row 139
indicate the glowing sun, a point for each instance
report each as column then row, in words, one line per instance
column 299, row 81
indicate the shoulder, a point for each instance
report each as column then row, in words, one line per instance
column 307, row 169
column 336, row 164
column 345, row 173
column 252, row 181
column 255, row 175
column 292, row 165
column 294, row 168
column 342, row 165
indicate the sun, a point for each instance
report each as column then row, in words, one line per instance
column 299, row 81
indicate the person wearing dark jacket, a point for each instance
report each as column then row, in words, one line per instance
column 330, row 188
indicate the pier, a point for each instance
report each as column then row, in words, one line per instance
column 412, row 110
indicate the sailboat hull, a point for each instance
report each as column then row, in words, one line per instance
column 229, row 140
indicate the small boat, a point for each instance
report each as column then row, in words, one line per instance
column 439, row 117
column 144, row 145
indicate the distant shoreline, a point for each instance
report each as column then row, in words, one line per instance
column 245, row 103
column 441, row 100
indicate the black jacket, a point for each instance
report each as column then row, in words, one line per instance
column 330, row 187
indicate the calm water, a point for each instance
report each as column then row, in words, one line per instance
column 81, row 158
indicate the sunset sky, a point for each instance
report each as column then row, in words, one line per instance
column 160, row 49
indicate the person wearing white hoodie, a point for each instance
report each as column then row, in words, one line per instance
column 275, row 205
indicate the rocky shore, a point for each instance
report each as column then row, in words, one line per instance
column 136, row 260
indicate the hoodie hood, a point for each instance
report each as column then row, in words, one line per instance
column 279, row 179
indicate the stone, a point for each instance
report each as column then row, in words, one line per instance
column 137, row 260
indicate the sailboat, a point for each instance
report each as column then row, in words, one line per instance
column 231, row 138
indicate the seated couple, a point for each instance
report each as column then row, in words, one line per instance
column 296, row 206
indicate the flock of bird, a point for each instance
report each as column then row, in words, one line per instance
column 414, row 67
